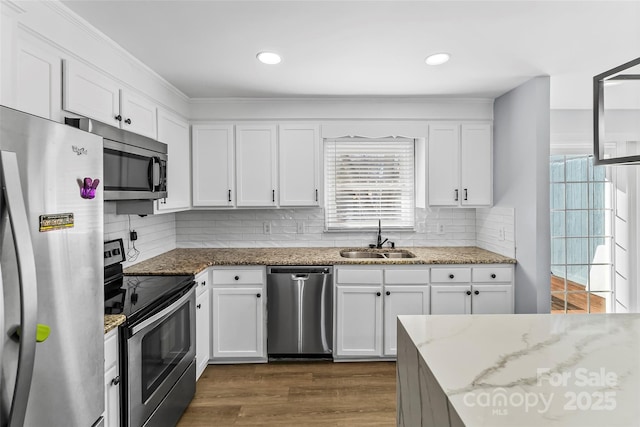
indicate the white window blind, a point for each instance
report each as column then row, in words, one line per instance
column 367, row 180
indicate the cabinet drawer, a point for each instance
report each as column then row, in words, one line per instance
column 450, row 275
column 358, row 276
column 202, row 282
column 238, row 277
column 406, row 277
column 492, row 274
column 111, row 349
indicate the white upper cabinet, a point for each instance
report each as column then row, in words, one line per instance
column 138, row 114
column 444, row 160
column 89, row 93
column 174, row 132
column 460, row 167
column 256, row 165
column 476, row 169
column 298, row 153
column 213, row 165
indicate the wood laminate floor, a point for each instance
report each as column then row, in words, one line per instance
column 318, row 393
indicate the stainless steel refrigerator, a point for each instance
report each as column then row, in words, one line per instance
column 51, row 230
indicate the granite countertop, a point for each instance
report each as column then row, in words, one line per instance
column 192, row 261
column 112, row 321
column 525, row 370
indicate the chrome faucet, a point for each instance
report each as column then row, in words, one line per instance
column 380, row 242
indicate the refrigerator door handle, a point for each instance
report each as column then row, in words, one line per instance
column 15, row 208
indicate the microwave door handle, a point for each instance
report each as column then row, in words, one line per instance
column 154, row 173
column 13, row 205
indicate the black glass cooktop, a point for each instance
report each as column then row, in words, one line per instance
column 139, row 296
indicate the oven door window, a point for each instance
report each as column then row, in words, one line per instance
column 163, row 348
column 126, row 171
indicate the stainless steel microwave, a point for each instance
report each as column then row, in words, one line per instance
column 135, row 167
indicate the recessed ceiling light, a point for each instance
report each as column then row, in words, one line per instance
column 437, row 58
column 269, row 58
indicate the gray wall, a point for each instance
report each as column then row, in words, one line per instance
column 521, row 181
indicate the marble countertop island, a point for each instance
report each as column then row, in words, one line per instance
column 192, row 261
column 519, row 370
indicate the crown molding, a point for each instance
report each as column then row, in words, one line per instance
column 345, row 99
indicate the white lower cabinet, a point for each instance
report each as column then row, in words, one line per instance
column 472, row 290
column 238, row 314
column 359, row 320
column 398, row 300
column 368, row 301
column 111, row 380
column 203, row 322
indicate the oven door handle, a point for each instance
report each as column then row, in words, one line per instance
column 165, row 312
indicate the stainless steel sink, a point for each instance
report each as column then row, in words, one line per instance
column 350, row 253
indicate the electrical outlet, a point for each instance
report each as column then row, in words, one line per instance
column 300, row 226
column 501, row 233
column 439, row 228
column 266, row 227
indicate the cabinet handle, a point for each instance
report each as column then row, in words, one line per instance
column 258, row 295
column 128, row 121
column 237, row 278
column 118, row 118
column 203, row 283
column 465, row 194
column 388, row 293
column 116, row 380
column 199, row 306
column 229, row 197
column 456, row 190
column 378, row 294
column 451, row 276
column 273, row 196
column 468, row 292
column 476, row 292
column 493, row 276
column 316, row 194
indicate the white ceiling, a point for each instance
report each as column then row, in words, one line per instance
column 207, row 48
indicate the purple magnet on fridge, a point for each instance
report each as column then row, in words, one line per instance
column 88, row 190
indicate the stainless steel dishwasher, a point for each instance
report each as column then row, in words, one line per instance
column 299, row 310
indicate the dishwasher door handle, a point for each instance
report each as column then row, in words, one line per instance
column 300, row 276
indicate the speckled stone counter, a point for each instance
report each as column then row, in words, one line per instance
column 112, row 321
column 192, row 261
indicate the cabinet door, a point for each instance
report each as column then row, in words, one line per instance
column 359, row 321
column 492, row 299
column 174, row 132
column 401, row 300
column 139, row 115
column 89, row 93
column 298, row 152
column 111, row 380
column 256, row 165
column 443, row 160
column 39, row 79
column 238, row 322
column 213, row 165
column 203, row 332
column 476, row 182
column 450, row 299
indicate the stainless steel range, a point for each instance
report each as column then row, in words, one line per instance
column 157, row 341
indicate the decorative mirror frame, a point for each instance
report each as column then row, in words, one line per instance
column 598, row 113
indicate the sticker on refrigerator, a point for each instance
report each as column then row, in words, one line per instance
column 56, row 222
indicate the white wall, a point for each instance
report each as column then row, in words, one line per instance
column 521, row 181
column 495, row 230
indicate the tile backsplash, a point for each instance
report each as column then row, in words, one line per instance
column 490, row 228
column 156, row 233
column 305, row 227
